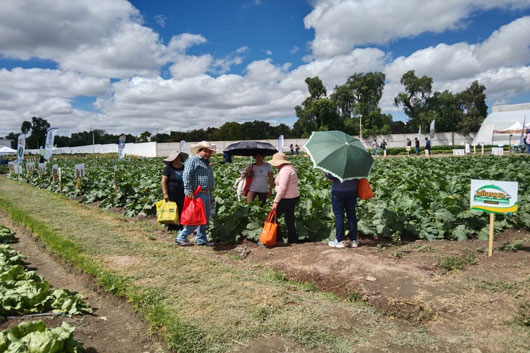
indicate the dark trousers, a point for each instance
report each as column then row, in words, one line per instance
column 286, row 207
column 344, row 202
column 179, row 199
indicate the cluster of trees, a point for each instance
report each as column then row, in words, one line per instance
column 353, row 108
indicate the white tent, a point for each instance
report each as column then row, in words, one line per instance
column 4, row 151
column 505, row 120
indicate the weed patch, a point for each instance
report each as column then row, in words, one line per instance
column 455, row 262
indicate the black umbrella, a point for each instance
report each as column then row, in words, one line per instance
column 250, row 148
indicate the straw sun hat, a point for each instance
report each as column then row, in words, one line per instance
column 174, row 155
column 203, row 144
column 278, row 159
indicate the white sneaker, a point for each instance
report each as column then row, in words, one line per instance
column 335, row 244
column 354, row 244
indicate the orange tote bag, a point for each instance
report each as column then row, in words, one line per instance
column 270, row 229
column 364, row 191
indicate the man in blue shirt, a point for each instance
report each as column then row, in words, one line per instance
column 344, row 200
column 197, row 171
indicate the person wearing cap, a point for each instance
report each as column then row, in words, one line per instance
column 287, row 193
column 172, row 182
column 197, row 171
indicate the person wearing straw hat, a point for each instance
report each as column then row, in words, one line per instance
column 172, row 182
column 287, row 193
column 197, row 171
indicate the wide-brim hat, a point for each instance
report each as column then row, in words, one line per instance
column 174, row 155
column 203, row 144
column 278, row 159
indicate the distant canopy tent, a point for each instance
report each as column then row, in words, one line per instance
column 504, row 120
column 515, row 129
column 4, row 151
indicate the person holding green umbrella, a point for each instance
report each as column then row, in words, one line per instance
column 345, row 160
column 344, row 200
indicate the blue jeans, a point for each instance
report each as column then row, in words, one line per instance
column 417, row 150
column 528, row 148
column 342, row 201
column 201, row 233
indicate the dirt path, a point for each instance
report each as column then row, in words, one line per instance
column 407, row 282
column 114, row 326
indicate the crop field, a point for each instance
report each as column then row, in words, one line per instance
column 421, row 280
column 417, row 198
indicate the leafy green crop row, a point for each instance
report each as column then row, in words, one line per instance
column 425, row 198
column 6, row 235
column 24, row 292
column 35, row 337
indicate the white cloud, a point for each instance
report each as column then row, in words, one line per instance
column 341, row 25
column 25, row 93
column 509, row 46
column 161, row 20
column 498, row 63
column 184, row 41
column 100, row 37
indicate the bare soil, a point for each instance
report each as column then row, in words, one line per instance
column 114, row 326
column 407, row 283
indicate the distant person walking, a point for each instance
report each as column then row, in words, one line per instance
column 417, row 145
column 297, row 149
column 198, row 171
column 287, row 194
column 343, row 202
column 383, row 147
column 428, row 146
column 291, row 148
column 409, row 146
column 375, row 146
column 527, row 141
column 172, row 183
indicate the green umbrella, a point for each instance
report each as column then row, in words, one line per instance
column 339, row 154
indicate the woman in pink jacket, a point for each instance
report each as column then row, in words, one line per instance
column 287, row 193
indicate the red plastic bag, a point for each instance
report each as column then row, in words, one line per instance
column 364, row 191
column 193, row 213
column 248, row 180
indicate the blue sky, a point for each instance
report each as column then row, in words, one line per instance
column 179, row 65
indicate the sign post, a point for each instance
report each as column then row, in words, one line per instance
column 60, row 180
column 79, row 174
column 55, row 169
column 492, row 196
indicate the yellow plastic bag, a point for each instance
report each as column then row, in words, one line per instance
column 166, row 212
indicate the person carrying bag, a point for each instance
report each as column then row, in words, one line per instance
column 270, row 230
column 166, row 212
column 193, row 213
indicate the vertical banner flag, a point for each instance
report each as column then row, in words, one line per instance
column 21, row 147
column 280, row 143
column 431, row 129
column 182, row 144
column 48, row 146
column 121, row 147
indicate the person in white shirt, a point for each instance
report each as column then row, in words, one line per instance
column 262, row 180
